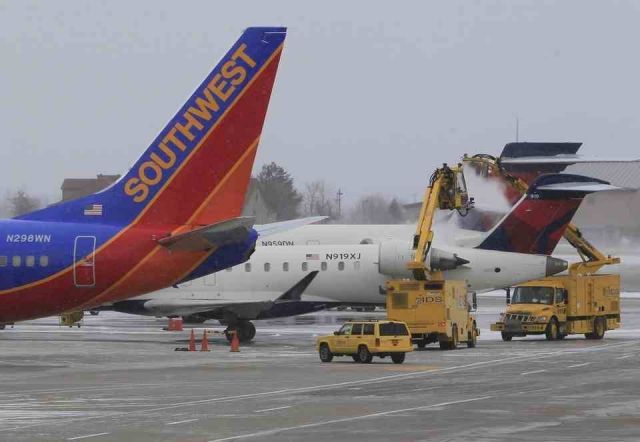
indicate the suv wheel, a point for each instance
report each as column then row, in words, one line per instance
column 506, row 337
column 364, row 355
column 397, row 358
column 325, row 353
column 472, row 338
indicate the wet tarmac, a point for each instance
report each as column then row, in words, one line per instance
column 118, row 378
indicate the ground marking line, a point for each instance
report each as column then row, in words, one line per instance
column 181, row 422
column 273, row 409
column 508, row 360
column 579, row 365
column 624, row 357
column 347, row 419
column 87, row 436
column 532, row 372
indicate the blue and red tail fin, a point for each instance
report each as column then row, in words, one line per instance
column 196, row 172
column 536, row 223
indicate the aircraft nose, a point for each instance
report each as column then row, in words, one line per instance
column 555, row 265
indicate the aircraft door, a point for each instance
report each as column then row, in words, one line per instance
column 84, row 263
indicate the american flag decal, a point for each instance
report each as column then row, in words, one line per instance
column 93, row 210
column 312, row 256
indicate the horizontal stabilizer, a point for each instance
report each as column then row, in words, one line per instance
column 283, row 226
column 537, row 149
column 564, row 184
column 215, row 235
column 295, row 292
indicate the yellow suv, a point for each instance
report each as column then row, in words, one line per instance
column 362, row 340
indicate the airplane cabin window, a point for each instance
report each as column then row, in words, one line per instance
column 267, row 266
column 323, row 266
column 16, row 261
column 3, row 261
column 305, row 266
column 356, row 265
column 30, row 261
column 228, row 269
column 247, row 267
column 285, row 266
column 44, row 261
column 341, row 266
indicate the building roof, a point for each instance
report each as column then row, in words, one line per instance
column 623, row 174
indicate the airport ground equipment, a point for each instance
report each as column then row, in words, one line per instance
column 562, row 305
column 435, row 309
column 70, row 319
column 362, row 340
column 579, row 302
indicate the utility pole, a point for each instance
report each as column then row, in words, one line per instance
column 517, row 129
column 339, row 198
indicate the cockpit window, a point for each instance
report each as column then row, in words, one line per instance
column 533, row 295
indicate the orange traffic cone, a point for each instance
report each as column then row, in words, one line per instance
column 205, row 342
column 235, row 342
column 192, row 341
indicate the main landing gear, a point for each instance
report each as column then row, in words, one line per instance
column 245, row 329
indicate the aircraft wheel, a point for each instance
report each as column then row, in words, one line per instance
column 94, row 312
column 246, row 331
column 2, row 326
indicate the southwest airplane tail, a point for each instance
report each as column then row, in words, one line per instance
column 176, row 208
column 197, row 170
column 536, row 223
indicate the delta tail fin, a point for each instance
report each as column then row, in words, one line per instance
column 196, row 172
column 538, row 220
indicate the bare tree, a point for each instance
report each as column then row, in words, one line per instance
column 19, row 203
column 318, row 199
column 371, row 209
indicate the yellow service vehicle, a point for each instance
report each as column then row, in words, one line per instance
column 362, row 340
column 437, row 311
column 563, row 305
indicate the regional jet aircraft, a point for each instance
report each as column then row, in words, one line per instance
column 336, row 265
column 172, row 218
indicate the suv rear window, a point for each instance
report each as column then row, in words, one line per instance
column 393, row 329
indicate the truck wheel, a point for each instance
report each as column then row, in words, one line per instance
column 364, row 355
column 355, row 358
column 325, row 353
column 397, row 358
column 599, row 327
column 422, row 343
column 472, row 339
column 552, row 330
column 455, row 339
column 506, row 337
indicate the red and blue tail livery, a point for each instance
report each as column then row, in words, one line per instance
column 177, row 207
column 536, row 223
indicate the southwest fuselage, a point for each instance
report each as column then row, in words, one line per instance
column 49, row 267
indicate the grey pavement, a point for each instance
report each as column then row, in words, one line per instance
column 118, row 378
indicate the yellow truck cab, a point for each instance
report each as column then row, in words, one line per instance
column 562, row 305
column 362, row 340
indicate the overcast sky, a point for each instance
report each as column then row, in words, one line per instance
column 370, row 96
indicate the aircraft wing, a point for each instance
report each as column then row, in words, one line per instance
column 283, row 226
column 186, row 307
column 205, row 238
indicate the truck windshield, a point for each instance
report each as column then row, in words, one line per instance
column 532, row 295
